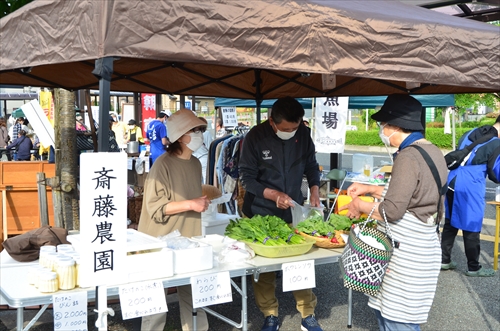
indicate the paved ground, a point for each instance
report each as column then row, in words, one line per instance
column 461, row 303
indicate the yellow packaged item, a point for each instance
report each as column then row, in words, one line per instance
column 343, row 200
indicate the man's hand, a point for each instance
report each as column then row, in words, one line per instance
column 283, row 201
column 314, row 198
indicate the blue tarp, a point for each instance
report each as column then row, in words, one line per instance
column 427, row 100
column 249, row 103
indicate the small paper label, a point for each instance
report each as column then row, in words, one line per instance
column 211, row 289
column 142, row 299
column 70, row 311
column 298, row 275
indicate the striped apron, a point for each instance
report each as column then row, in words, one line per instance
column 410, row 282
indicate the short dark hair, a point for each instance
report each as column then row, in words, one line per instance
column 287, row 109
column 22, row 132
column 162, row 115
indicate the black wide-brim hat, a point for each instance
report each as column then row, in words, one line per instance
column 401, row 110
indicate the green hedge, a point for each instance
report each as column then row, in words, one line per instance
column 434, row 135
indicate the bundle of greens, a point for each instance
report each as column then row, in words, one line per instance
column 342, row 222
column 267, row 230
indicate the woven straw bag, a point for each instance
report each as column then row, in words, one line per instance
column 362, row 265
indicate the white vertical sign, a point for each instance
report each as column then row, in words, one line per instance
column 330, row 124
column 103, row 218
column 229, row 118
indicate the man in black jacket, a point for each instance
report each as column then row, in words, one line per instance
column 275, row 156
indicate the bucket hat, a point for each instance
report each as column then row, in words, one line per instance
column 401, row 110
column 181, row 122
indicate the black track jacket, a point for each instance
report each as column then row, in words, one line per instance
column 267, row 161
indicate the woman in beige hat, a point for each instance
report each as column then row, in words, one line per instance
column 173, row 201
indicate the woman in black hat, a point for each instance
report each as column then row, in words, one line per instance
column 409, row 202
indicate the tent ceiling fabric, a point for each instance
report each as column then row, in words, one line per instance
column 218, row 48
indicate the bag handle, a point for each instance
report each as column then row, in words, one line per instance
column 388, row 229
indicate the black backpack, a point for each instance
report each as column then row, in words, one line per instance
column 454, row 159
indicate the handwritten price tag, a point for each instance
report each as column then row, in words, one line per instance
column 70, row 311
column 142, row 299
column 211, row 289
column 298, row 275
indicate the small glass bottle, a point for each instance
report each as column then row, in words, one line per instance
column 66, row 273
column 48, row 282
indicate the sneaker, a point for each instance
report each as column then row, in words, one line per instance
column 448, row 266
column 310, row 324
column 272, row 323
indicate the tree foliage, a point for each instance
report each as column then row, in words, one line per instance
column 9, row 6
column 474, row 101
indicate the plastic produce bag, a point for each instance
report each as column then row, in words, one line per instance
column 235, row 252
column 175, row 241
column 300, row 213
column 211, row 212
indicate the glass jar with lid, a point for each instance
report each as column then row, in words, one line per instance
column 64, row 247
column 48, row 282
column 44, row 250
column 33, row 274
column 66, row 273
column 50, row 261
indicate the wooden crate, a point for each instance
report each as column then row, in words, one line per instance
column 19, row 196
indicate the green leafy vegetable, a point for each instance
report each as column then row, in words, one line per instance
column 267, row 230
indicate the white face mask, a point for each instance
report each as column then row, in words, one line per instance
column 196, row 141
column 284, row 135
column 385, row 139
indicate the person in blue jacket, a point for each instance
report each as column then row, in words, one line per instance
column 465, row 198
column 24, row 145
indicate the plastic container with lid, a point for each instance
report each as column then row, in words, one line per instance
column 48, row 282
column 66, row 273
column 64, row 247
